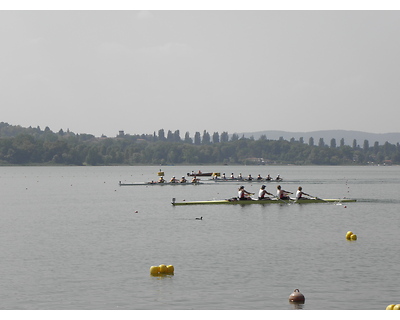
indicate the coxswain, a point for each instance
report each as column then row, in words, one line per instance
column 243, row 194
column 259, row 177
column 282, row 194
column 300, row 193
column 161, row 180
column 262, row 193
column 183, row 180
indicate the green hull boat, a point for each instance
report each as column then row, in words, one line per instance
column 265, row 201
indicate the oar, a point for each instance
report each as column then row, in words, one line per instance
column 315, row 197
column 251, row 194
column 279, row 199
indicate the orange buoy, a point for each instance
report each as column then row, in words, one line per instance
column 297, row 297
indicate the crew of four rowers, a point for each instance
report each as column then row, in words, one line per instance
column 280, row 194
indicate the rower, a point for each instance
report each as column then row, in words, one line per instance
column 268, row 178
column 300, row 193
column 249, row 177
column 232, row 176
column 278, row 178
column 223, row 176
column 195, row 180
column 183, row 180
column 240, row 176
column 262, row 193
column 259, row 177
column 173, row 179
column 161, row 180
column 243, row 194
column 282, row 194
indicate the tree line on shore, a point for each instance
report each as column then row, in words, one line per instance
column 28, row 146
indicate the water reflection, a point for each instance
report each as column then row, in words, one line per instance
column 296, row 305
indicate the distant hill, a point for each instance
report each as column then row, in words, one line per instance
column 327, row 135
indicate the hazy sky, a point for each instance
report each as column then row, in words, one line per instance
column 100, row 72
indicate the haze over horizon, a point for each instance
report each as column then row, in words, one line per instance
column 99, row 72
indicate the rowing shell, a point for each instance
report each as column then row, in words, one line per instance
column 265, row 201
column 159, row 184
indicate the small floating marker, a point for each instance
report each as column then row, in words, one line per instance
column 163, row 268
column 348, row 235
column 351, row 236
column 396, row 307
column 170, row 269
column 201, row 218
column 136, row 211
column 297, row 297
column 154, row 270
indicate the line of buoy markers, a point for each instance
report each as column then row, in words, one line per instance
column 162, row 269
column 296, row 297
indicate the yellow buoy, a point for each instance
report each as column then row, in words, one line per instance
column 390, row 307
column 163, row 268
column 396, row 307
column 348, row 235
column 353, row 237
column 170, row 269
column 154, row 270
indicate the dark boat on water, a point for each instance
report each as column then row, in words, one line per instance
column 200, row 174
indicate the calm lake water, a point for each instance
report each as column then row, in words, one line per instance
column 72, row 238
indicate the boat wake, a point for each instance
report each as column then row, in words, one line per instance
column 370, row 200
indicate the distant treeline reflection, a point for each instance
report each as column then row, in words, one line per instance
column 24, row 146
